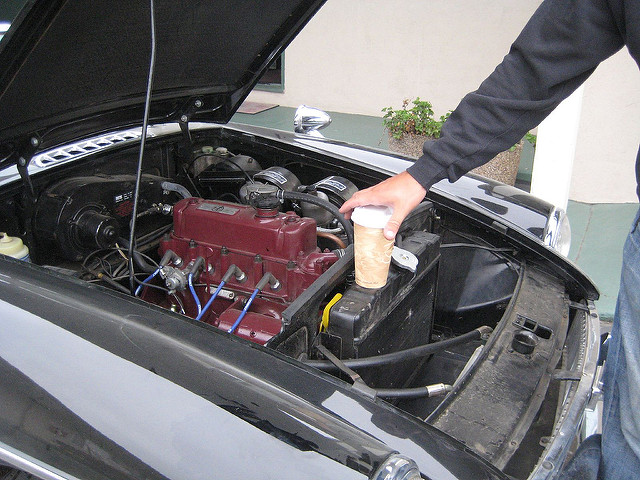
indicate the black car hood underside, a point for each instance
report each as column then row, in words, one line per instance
column 69, row 67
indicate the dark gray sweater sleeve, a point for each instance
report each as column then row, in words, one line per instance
column 558, row 49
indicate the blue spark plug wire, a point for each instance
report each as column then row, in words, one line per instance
column 145, row 281
column 195, row 295
column 267, row 278
column 232, row 270
column 244, row 311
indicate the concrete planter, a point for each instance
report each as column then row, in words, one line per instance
column 503, row 167
column 409, row 144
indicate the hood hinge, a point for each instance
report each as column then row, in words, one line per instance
column 191, row 107
column 22, row 158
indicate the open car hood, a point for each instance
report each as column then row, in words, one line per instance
column 69, row 67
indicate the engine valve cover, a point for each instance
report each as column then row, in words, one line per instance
column 225, row 234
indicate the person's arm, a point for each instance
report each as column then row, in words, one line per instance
column 558, row 49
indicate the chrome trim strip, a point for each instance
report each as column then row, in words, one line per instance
column 592, row 422
column 30, row 465
column 575, row 402
column 71, row 152
column 77, row 150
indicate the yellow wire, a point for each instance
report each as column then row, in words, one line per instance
column 120, row 252
column 324, row 324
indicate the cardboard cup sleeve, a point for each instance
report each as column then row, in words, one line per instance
column 372, row 250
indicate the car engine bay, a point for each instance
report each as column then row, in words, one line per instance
column 246, row 237
column 255, row 257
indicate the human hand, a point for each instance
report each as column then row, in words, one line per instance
column 400, row 192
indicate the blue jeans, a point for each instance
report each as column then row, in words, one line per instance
column 621, row 415
column 618, row 451
column 585, row 463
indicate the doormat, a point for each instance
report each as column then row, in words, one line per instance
column 255, row 107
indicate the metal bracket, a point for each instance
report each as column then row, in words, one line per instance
column 578, row 306
column 185, row 116
column 22, row 160
column 358, row 384
column 572, row 375
column 189, row 109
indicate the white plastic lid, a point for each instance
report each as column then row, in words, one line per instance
column 13, row 246
column 372, row 216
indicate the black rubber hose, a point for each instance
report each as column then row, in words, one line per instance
column 306, row 197
column 142, row 263
column 138, row 258
column 402, row 355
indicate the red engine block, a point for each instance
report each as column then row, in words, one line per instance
column 256, row 241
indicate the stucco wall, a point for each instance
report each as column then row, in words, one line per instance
column 358, row 56
column 607, row 144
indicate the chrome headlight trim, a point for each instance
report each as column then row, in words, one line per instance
column 557, row 234
column 397, row 467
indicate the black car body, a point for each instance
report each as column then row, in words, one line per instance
column 222, row 337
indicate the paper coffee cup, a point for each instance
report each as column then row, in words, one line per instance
column 372, row 250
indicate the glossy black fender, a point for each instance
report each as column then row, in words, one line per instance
column 101, row 385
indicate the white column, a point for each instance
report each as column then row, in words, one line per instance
column 555, row 151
